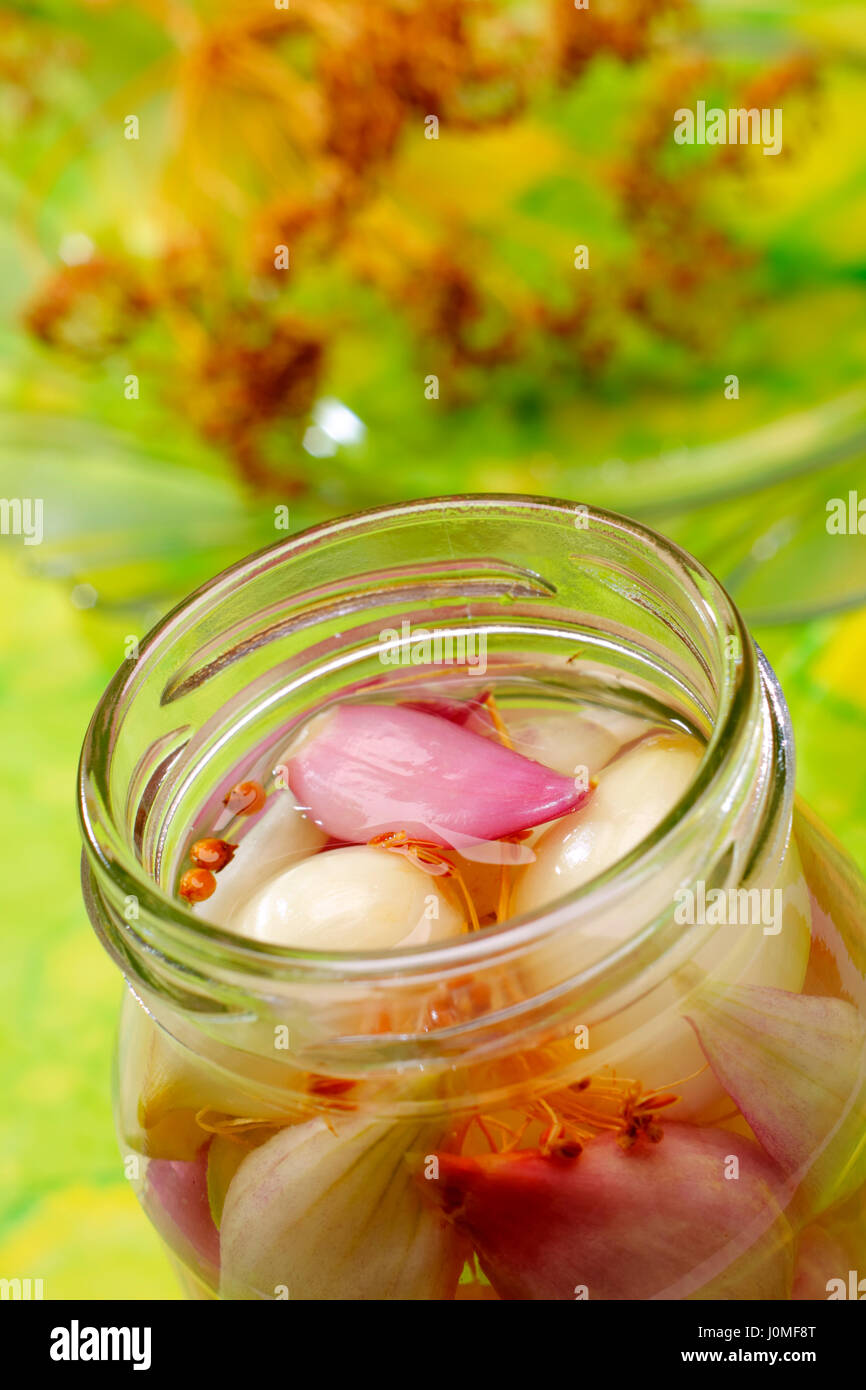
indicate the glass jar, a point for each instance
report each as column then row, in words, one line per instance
column 491, row 1116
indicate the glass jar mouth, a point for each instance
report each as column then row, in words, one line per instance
column 746, row 693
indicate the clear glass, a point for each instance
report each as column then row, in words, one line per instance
column 488, row 1117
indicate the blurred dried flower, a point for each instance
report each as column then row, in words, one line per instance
column 90, row 309
column 288, row 128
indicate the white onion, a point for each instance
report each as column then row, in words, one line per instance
column 568, row 740
column 632, row 796
column 330, row 1211
column 280, row 836
column 650, row 1040
column 353, row 899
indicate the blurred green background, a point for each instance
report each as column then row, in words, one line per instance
column 282, row 293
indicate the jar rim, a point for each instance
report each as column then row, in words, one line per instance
column 748, row 685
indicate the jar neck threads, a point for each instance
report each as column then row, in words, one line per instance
column 589, row 603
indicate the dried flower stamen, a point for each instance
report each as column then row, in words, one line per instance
column 589, row 1107
column 196, row 885
column 245, row 798
column 489, row 701
column 433, row 860
column 212, row 854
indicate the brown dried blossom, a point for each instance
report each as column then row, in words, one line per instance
column 313, row 107
column 90, row 309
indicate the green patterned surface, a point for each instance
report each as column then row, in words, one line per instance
column 67, row 1215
